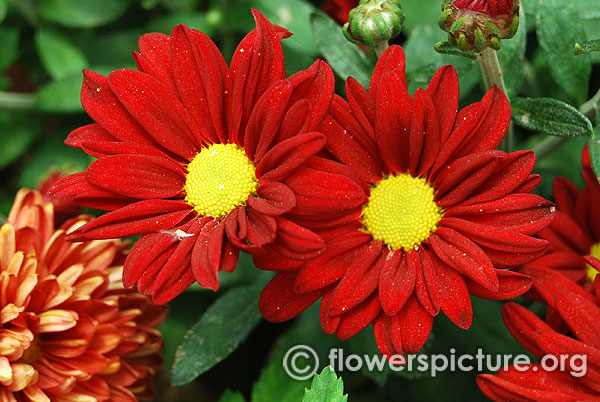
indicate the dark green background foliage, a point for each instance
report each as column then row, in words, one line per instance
column 230, row 352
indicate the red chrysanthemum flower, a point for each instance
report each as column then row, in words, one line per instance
column 68, row 329
column 195, row 155
column 578, row 380
column 339, row 9
column 446, row 213
column 574, row 234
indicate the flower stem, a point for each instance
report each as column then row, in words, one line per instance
column 380, row 47
column 492, row 74
column 590, row 107
column 16, row 100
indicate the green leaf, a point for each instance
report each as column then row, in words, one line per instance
column 512, row 58
column 60, row 96
column 344, row 58
column 274, row 385
column 587, row 47
column 3, row 9
column 232, row 396
column 326, row 387
column 218, row 332
column 59, row 56
column 550, row 116
column 294, row 15
column 18, row 130
column 82, row 13
column 558, row 28
column 9, row 46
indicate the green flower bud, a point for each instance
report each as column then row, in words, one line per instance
column 479, row 24
column 373, row 21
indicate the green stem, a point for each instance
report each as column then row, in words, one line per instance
column 492, row 75
column 16, row 100
column 590, row 107
column 547, row 146
column 380, row 47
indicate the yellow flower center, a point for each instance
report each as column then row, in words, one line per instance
column 401, row 211
column 220, row 178
column 591, row 271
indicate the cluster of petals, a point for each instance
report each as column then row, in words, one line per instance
column 151, row 123
column 575, row 228
column 489, row 215
column 577, row 338
column 69, row 331
column 339, row 9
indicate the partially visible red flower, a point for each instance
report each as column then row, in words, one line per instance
column 447, row 214
column 574, row 234
column 68, row 329
column 339, row 9
column 579, row 381
column 195, row 156
column 492, row 7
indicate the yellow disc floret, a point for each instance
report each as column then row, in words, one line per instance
column 220, row 178
column 591, row 271
column 401, row 211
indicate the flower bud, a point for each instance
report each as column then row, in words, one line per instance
column 479, row 24
column 373, row 21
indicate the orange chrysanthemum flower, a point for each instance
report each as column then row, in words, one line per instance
column 68, row 329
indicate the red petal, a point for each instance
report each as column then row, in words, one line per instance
column 511, row 285
column 565, row 194
column 273, row 199
column 392, row 60
column 424, row 135
column 100, row 149
column 523, row 213
column 392, row 122
column 155, row 58
column 582, row 316
column 547, row 283
column 387, row 335
column 149, row 252
column 332, row 264
column 462, row 177
column 523, row 324
column 294, row 241
column 327, row 193
column 443, row 90
column 202, row 79
column 137, row 219
column 362, row 105
column 138, row 176
column 462, row 254
column 426, row 287
column 454, row 295
column 157, row 110
column 283, row 159
column 206, row 254
column 262, row 229
column 359, row 281
column 278, row 301
column 104, row 107
column 415, row 326
column 256, row 64
column 396, row 281
column 91, row 132
column 315, row 84
column 265, row 120
column 358, row 318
